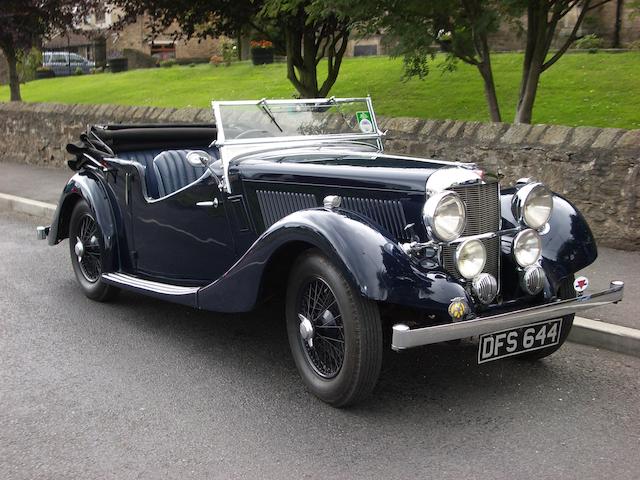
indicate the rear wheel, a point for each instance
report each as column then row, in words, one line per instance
column 86, row 250
column 565, row 292
column 334, row 333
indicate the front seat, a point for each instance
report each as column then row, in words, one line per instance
column 174, row 172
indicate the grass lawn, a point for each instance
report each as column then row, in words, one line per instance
column 600, row 89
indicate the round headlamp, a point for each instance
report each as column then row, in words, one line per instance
column 527, row 247
column 445, row 216
column 532, row 205
column 471, row 257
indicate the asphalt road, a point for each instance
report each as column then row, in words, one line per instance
column 144, row 389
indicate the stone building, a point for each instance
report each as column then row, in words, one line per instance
column 137, row 36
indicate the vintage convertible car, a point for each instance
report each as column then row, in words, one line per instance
column 296, row 197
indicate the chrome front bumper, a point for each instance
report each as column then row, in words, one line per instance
column 403, row 337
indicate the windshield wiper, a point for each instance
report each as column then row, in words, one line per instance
column 263, row 105
column 332, row 101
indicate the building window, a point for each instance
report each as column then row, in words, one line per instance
column 101, row 13
column 163, row 50
column 365, row 50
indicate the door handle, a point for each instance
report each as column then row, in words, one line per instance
column 213, row 204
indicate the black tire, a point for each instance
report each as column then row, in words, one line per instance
column 565, row 291
column 84, row 228
column 342, row 314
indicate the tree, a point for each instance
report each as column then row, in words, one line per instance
column 463, row 28
column 311, row 33
column 305, row 29
column 542, row 21
column 22, row 22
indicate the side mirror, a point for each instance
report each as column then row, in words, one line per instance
column 198, row 158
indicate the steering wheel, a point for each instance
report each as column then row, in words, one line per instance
column 253, row 130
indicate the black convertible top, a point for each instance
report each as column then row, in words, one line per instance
column 122, row 138
column 101, row 141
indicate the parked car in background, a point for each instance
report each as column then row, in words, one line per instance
column 66, row 63
column 368, row 249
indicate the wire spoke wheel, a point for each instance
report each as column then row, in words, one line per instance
column 87, row 249
column 335, row 334
column 87, row 253
column 321, row 329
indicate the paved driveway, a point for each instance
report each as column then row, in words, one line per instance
column 144, row 389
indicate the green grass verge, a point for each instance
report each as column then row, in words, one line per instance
column 600, row 89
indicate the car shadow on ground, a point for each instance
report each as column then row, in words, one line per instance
column 254, row 345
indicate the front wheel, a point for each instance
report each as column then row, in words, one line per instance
column 334, row 333
column 86, row 250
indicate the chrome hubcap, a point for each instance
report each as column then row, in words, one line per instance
column 79, row 249
column 87, row 249
column 321, row 328
column 306, row 330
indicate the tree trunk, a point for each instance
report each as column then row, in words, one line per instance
column 524, row 111
column 14, row 81
column 301, row 67
column 618, row 24
column 490, row 92
column 539, row 34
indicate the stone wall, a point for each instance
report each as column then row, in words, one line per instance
column 598, row 169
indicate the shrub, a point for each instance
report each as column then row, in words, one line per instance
column 78, row 71
column 216, row 60
column 590, row 42
column 229, row 52
column 168, row 63
column 28, row 63
column 261, row 44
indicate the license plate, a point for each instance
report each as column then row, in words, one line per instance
column 527, row 338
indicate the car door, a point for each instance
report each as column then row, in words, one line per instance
column 183, row 237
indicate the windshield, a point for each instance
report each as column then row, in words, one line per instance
column 295, row 118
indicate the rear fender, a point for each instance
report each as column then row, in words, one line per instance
column 84, row 186
column 371, row 261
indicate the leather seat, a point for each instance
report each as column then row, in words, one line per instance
column 145, row 159
column 166, row 171
column 174, row 172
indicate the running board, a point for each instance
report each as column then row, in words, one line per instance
column 165, row 291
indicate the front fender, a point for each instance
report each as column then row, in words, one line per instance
column 85, row 186
column 371, row 261
column 568, row 246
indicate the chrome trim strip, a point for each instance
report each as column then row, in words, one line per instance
column 122, row 279
column 403, row 337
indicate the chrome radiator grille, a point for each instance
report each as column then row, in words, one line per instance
column 277, row 205
column 483, row 208
column 483, row 216
column 388, row 213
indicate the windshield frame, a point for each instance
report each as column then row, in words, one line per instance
column 231, row 149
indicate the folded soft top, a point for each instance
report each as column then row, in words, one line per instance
column 120, row 138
